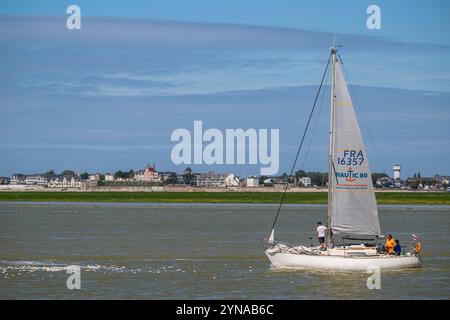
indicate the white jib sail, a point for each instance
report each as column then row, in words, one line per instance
column 353, row 206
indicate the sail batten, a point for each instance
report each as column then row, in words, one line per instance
column 353, row 209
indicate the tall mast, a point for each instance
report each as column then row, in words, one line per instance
column 331, row 144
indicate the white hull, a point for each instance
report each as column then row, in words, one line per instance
column 341, row 263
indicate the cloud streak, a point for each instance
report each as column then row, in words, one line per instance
column 131, row 57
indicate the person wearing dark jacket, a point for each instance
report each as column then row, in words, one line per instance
column 397, row 248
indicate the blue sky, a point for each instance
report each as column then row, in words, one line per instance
column 107, row 97
column 405, row 20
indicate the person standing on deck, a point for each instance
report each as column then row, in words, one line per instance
column 321, row 231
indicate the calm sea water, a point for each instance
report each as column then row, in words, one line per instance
column 136, row 251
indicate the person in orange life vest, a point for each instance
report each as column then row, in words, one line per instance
column 390, row 244
column 418, row 246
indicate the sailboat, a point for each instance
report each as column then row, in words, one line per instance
column 353, row 239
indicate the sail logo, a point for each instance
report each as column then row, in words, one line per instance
column 351, row 175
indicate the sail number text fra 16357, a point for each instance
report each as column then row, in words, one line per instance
column 351, row 157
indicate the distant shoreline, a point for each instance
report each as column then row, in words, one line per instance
column 383, row 198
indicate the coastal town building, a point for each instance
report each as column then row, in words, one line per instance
column 305, row 181
column 209, row 180
column 94, row 177
column 149, row 174
column 444, row 180
column 171, row 177
column 269, row 181
column 17, row 178
column 46, row 180
column 37, row 179
column 109, row 177
column 252, row 182
column 4, row 180
column 167, row 175
column 436, row 182
column 231, row 180
column 31, row 179
column 384, row 182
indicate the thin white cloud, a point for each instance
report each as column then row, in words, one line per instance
column 126, row 57
column 95, row 147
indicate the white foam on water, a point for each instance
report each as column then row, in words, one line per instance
column 23, row 266
column 10, row 268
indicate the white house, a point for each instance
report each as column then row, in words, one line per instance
column 17, row 178
column 231, row 180
column 210, row 179
column 305, row 181
column 94, row 177
column 31, row 179
column 109, row 177
column 36, row 179
column 445, row 180
column 252, row 182
column 269, row 180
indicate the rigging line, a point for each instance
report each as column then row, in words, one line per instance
column 301, row 142
column 363, row 117
column 315, row 125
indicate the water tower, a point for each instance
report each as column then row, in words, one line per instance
column 396, row 169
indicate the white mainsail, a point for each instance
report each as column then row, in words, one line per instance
column 353, row 208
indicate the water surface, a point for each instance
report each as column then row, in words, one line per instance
column 194, row 251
